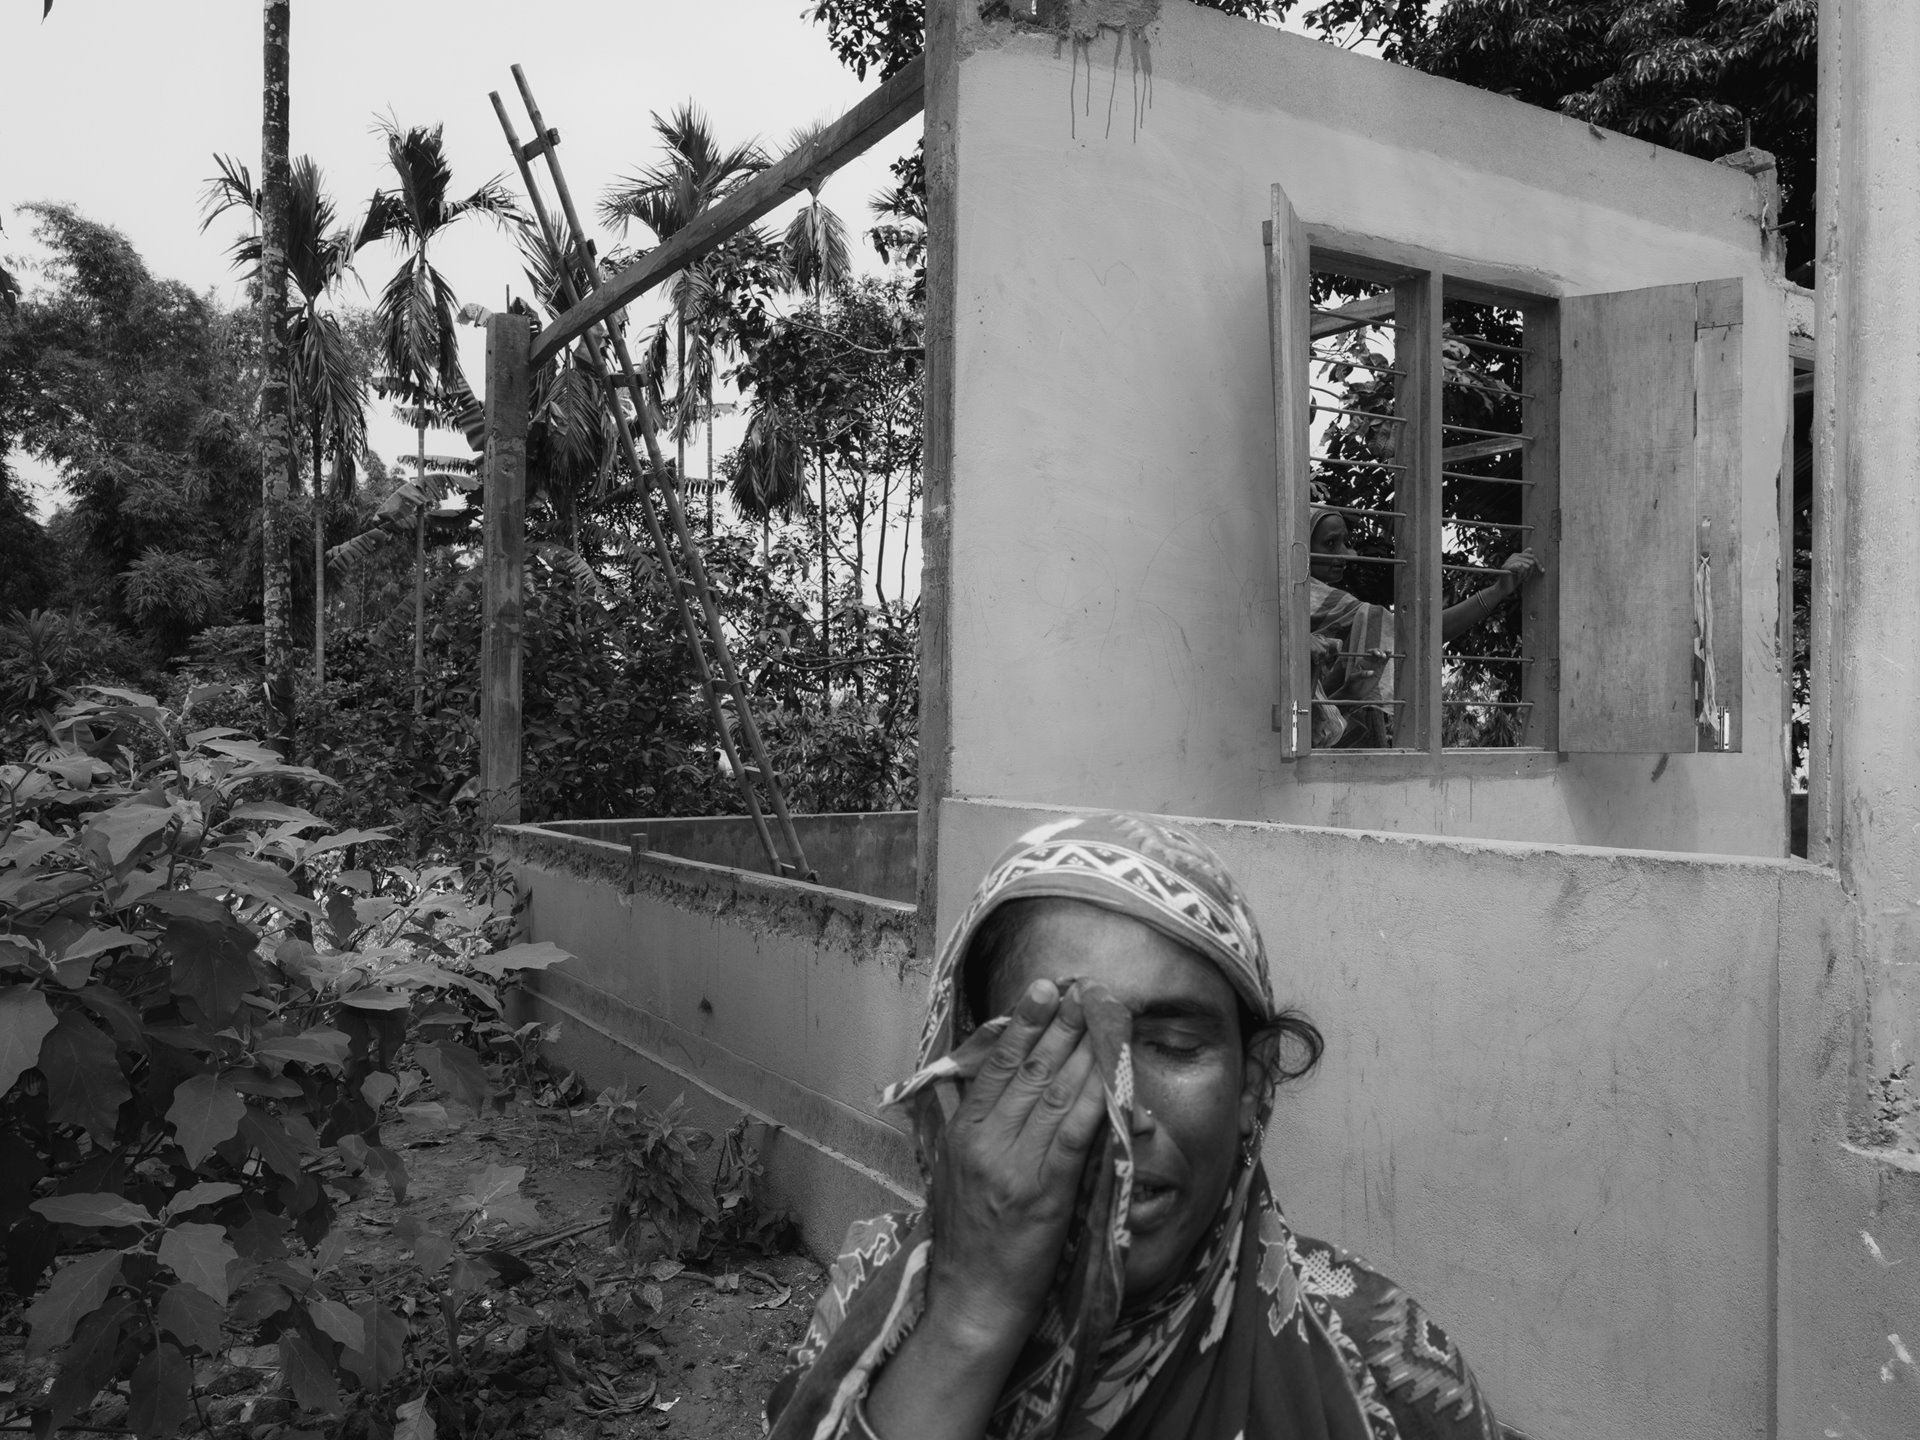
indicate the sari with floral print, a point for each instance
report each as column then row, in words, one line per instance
column 1267, row 1336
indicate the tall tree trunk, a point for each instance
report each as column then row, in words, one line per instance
column 709, row 400
column 880, row 545
column 906, row 531
column 277, row 451
column 680, row 404
column 319, row 562
column 826, row 578
column 420, row 569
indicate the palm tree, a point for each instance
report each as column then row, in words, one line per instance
column 276, row 447
column 327, row 386
column 416, row 310
column 697, row 172
column 817, row 256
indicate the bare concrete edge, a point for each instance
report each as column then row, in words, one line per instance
column 875, row 929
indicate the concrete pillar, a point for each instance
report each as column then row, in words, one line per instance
column 1867, row 492
column 502, row 608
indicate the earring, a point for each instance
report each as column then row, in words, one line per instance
column 1250, row 1145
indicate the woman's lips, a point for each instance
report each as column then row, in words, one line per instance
column 1151, row 1204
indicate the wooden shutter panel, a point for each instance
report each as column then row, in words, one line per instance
column 1649, row 482
column 1289, row 313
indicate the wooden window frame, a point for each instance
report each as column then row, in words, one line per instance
column 1422, row 281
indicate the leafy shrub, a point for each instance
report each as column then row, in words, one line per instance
column 201, row 1011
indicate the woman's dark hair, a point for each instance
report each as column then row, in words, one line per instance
column 1290, row 1045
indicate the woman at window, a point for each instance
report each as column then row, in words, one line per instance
column 1102, row 1257
column 1354, row 642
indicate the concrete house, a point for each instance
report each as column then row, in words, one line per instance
column 1604, row 1062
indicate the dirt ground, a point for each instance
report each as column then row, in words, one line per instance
column 593, row 1343
column 614, row 1346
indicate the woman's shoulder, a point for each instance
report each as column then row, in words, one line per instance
column 1417, row 1365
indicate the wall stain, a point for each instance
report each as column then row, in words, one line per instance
column 1081, row 23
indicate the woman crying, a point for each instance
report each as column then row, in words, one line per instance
column 1101, row 1256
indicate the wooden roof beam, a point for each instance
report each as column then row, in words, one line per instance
column 882, row 112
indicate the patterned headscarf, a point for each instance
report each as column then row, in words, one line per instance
column 1247, row 1341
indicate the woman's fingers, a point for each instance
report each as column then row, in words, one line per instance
column 1041, row 1070
column 1074, row 1137
column 1031, row 1016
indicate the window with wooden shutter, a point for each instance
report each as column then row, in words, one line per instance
column 1417, row 451
column 1650, row 603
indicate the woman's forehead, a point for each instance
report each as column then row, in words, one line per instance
column 1063, row 939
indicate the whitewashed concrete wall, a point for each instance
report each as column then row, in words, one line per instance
column 1547, row 1106
column 1113, row 578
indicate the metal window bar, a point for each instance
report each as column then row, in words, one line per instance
column 1320, row 409
column 1357, row 559
column 707, row 633
column 1489, row 434
column 1478, row 705
column 1477, row 343
column 1490, row 389
column 1320, row 359
column 1372, row 654
column 1367, row 514
column 1484, row 524
column 1466, row 569
column 1354, row 704
column 1492, row 659
column 1357, row 464
column 1483, row 479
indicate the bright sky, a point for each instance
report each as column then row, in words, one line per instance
column 118, row 107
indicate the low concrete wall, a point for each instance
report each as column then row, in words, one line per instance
column 1548, row 1103
column 790, row 1003
column 869, row 854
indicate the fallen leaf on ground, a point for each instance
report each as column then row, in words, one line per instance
column 774, row 1302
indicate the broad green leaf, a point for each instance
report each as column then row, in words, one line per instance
column 159, row 1392
column 210, row 963
column 333, row 1318
column 375, row 998
column 377, row 1363
column 99, row 942
column 200, row 1255
column 94, row 1208
column 412, row 1420
column 349, row 837
column 378, row 1088
column 269, row 1136
column 386, row 1163
column 320, row 1046
column 308, row 1375
column 130, row 697
column 25, row 1021
column 432, row 1252
column 273, row 810
column 496, row 1189
column 85, row 1086
column 537, row 956
column 76, row 1291
column 205, row 1113
column 192, row 1317
column 197, row 1197
column 25, row 851
column 113, row 1008
column 122, row 829
column 427, row 1112
column 458, row 1073
column 87, row 1363
column 250, row 751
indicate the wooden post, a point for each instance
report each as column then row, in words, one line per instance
column 502, row 611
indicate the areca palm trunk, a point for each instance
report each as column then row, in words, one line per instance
column 276, row 430
column 319, row 562
column 420, row 569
